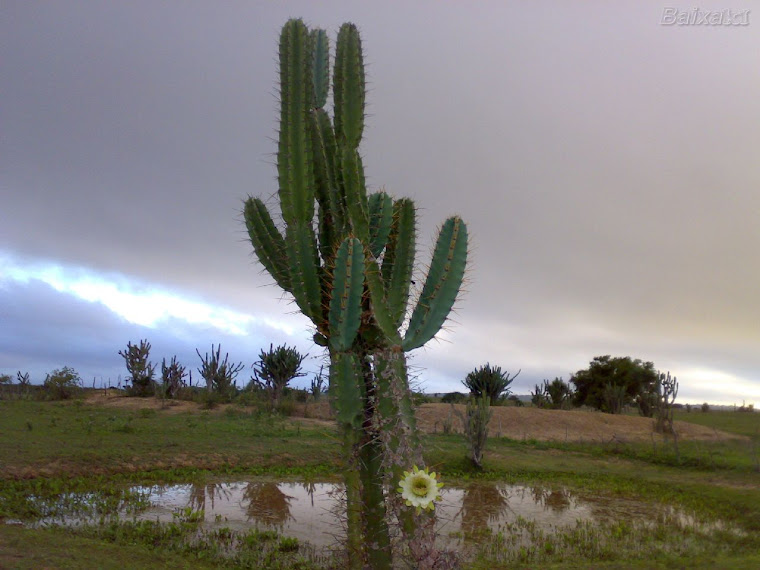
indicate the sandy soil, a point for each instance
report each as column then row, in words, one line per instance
column 512, row 422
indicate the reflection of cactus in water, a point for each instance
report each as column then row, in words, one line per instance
column 267, row 504
column 482, row 503
column 200, row 494
column 347, row 258
column 558, row 500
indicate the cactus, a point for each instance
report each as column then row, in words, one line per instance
column 346, row 256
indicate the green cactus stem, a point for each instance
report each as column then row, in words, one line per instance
column 347, row 256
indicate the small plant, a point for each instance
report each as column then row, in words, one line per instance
column 275, row 368
column 317, row 385
column 219, row 374
column 62, row 384
column 448, row 422
column 667, row 390
column 172, row 377
column 140, row 370
column 491, row 382
column 475, row 421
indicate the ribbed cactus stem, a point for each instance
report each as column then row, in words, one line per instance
column 351, row 273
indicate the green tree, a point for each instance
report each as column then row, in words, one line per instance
column 63, row 383
column 610, row 383
column 491, row 382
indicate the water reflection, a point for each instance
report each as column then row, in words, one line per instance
column 483, row 504
column 199, row 495
column 315, row 512
column 267, row 504
column 558, row 500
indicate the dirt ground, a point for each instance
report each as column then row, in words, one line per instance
column 562, row 425
column 512, row 422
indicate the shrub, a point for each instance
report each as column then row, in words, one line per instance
column 517, row 402
column 490, row 382
column 705, row 408
column 454, row 398
column 62, row 384
column 140, row 369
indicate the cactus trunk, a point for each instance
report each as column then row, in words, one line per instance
column 346, row 256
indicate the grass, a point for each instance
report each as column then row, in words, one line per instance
column 73, row 438
column 740, row 423
column 53, row 451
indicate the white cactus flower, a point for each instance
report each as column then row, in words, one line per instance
column 419, row 488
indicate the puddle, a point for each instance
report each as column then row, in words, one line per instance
column 313, row 512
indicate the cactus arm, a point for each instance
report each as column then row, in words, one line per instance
column 347, row 290
column 398, row 260
column 355, row 192
column 380, row 218
column 441, row 286
column 320, row 47
column 349, row 87
column 294, row 155
column 304, row 270
column 267, row 241
column 330, row 224
column 347, row 388
column 379, row 304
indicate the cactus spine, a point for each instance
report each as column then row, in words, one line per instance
column 347, row 257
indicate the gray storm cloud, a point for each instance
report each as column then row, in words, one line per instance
column 606, row 164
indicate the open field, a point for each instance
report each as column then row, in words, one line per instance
column 105, row 446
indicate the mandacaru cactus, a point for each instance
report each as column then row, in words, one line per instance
column 346, row 256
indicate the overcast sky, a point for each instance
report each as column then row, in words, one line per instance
column 607, row 167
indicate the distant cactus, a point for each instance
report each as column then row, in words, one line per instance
column 490, row 381
column 475, row 421
column 140, row 370
column 350, row 273
column 667, row 390
column 219, row 374
column 275, row 368
column 556, row 394
column 172, row 377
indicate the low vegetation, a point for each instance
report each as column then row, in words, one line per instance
column 55, row 450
